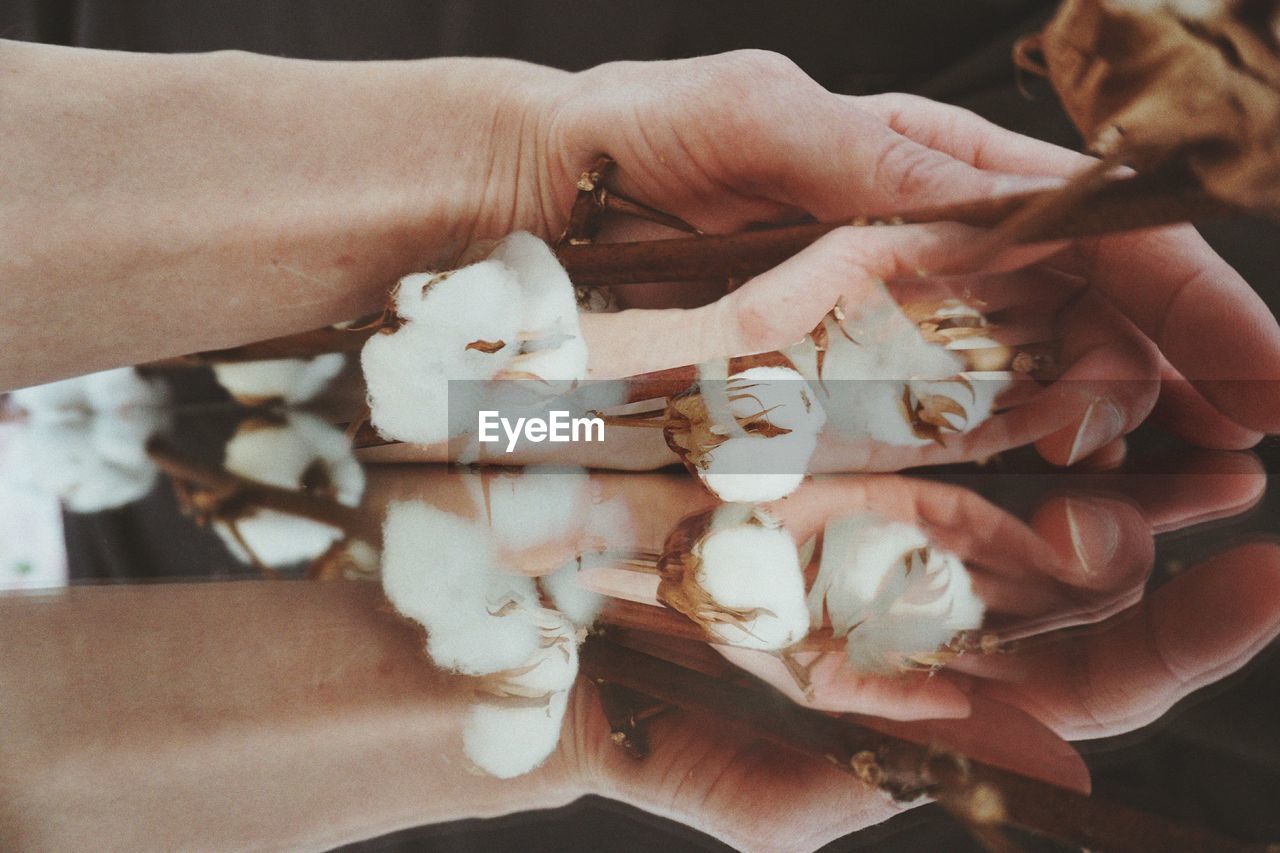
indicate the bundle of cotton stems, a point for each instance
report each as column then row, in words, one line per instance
column 297, row 452
column 747, row 429
column 290, row 381
column 482, row 620
column 511, row 316
column 899, row 600
column 84, row 439
column 736, row 573
column 881, row 379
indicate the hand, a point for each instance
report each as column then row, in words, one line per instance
column 746, row 137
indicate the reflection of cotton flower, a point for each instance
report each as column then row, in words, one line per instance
column 291, row 381
column 736, row 573
column 749, row 434
column 898, row 600
column 507, row 739
column 441, row 571
column 302, row 453
column 84, row 440
column 511, row 315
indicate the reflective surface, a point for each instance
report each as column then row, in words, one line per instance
column 949, row 658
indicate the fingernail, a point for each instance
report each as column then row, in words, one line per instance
column 1101, row 424
column 1095, row 533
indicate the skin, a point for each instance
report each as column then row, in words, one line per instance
column 304, row 715
column 278, row 196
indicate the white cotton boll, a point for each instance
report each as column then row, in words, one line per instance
column 974, row 392
column 90, row 464
column 67, row 396
column 579, row 605
column 752, row 465
column 780, row 392
column 859, row 553
column 275, row 539
column 123, row 388
column 936, row 602
column 865, row 371
column 106, row 391
column 535, row 506
column 897, row 599
column 565, row 361
column 510, row 739
column 440, row 570
column 281, row 456
column 754, row 469
column 291, row 380
column 553, row 665
column 407, row 370
column 755, row 569
column 548, row 304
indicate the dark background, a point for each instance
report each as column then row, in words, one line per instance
column 1216, row 760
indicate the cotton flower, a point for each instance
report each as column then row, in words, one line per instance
column 104, row 392
column 736, row 573
column 897, row 599
column 508, row 739
column 84, row 439
column 747, row 434
column 301, row 453
column 895, row 381
column 292, row 381
column 513, row 315
column 441, row 571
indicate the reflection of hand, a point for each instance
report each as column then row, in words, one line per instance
column 1084, row 555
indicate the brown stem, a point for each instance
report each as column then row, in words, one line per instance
column 251, row 493
column 1121, row 205
column 987, row 795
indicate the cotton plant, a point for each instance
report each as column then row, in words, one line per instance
column 898, row 600
column 467, row 579
column 888, row 379
column 297, row 452
column 748, row 428
column 513, row 315
column 291, row 381
column 84, row 439
column 737, row 573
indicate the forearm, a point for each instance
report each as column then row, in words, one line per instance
column 155, row 205
column 232, row 716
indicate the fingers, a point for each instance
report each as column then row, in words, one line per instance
column 1185, row 412
column 752, row 129
column 969, row 137
column 1210, row 325
column 1201, row 314
column 1116, row 680
column 1110, row 385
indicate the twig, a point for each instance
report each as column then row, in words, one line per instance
column 1124, row 204
column 235, row 492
